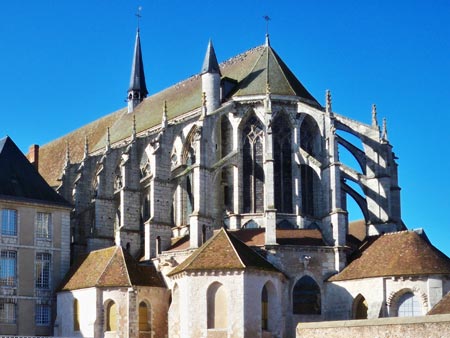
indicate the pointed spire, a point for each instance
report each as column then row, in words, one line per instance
column 137, row 90
column 164, row 121
column 328, row 107
column 374, row 116
column 384, row 133
column 210, row 64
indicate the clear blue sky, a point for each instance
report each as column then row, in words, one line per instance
column 66, row 63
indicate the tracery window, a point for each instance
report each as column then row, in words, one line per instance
column 306, row 297
column 282, row 164
column 253, row 171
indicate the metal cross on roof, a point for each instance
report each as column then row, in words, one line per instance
column 138, row 15
column 267, row 18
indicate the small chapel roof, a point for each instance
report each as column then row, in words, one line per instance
column 404, row 253
column 442, row 307
column 223, row 252
column 110, row 267
column 19, row 179
column 249, row 69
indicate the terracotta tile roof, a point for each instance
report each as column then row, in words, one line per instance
column 111, row 267
column 358, row 229
column 404, row 253
column 255, row 237
column 246, row 68
column 19, row 179
column 223, row 252
column 442, row 307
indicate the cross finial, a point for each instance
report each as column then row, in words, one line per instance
column 267, row 18
column 138, row 15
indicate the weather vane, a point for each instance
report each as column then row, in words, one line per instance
column 267, row 18
column 138, row 15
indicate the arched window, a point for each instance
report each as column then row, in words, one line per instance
column 409, row 305
column 253, row 171
column 282, row 164
column 226, row 131
column 360, row 308
column 217, row 306
column 76, row 315
column 264, row 309
column 144, row 317
column 309, row 186
column 306, row 297
column 111, row 316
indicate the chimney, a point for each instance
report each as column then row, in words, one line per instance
column 33, row 155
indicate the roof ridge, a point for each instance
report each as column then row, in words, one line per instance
column 232, row 245
column 126, row 266
column 107, row 265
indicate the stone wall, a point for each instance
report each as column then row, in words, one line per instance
column 436, row 326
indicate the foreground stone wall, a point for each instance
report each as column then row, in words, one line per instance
column 437, row 326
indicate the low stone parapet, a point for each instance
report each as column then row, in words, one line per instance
column 436, row 326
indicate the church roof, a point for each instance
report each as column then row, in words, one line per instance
column 19, row 179
column 248, row 69
column 404, row 253
column 442, row 307
column 110, row 267
column 256, row 237
column 223, row 252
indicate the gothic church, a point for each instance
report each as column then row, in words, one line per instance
column 217, row 208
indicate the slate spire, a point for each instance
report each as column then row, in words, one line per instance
column 137, row 90
column 210, row 64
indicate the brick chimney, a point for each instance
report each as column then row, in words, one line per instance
column 33, row 155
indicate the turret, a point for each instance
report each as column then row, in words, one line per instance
column 137, row 90
column 211, row 79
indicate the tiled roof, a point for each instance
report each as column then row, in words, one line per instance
column 442, row 307
column 256, row 237
column 20, row 179
column 111, row 267
column 247, row 69
column 404, row 253
column 223, row 252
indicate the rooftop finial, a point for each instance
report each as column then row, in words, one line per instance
column 328, row 107
column 86, row 146
column 108, row 140
column 67, row 154
column 164, row 121
column 374, row 116
column 267, row 18
column 384, row 133
column 138, row 16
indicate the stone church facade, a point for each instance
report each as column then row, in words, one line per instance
column 245, row 148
